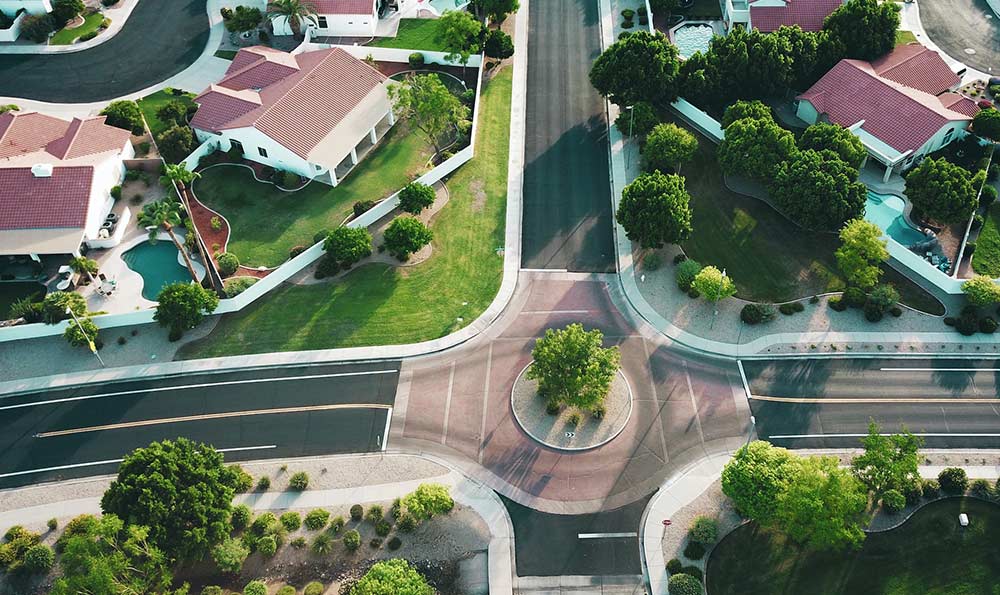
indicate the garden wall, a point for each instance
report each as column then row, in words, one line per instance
column 12, row 33
column 700, row 120
column 391, row 54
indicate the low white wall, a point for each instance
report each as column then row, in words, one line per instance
column 12, row 33
column 395, row 55
column 699, row 119
column 995, row 5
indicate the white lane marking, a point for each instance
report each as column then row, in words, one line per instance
column 743, row 377
column 111, row 461
column 694, row 403
column 939, row 369
column 447, row 403
column 385, row 434
column 879, row 401
column 556, row 311
column 486, row 399
column 605, row 535
column 926, row 434
column 157, row 389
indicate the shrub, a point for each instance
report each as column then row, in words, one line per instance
column 267, row 545
column 913, row 492
column 930, row 488
column 552, row 407
column 855, row 297
column 255, row 588
column 352, row 540
column 286, row 590
column 950, row 321
column 789, row 308
column 382, row 528
column 406, row 235
column 694, row 550
column 291, row 520
column 396, row 508
column 628, row 13
column 290, row 181
column 705, row 530
column 394, row 543
column 39, row 558
column 873, row 313
column 679, row 258
column 347, row 245
column 212, row 590
column 406, row 523
column 313, row 588
column 756, row 313
column 215, row 223
column 299, row 542
column 967, row 324
column 327, row 267
column 415, row 197
column 684, row 584
column 987, row 325
column 416, row 60
column 320, row 235
column 176, row 143
column 893, row 501
column 55, row 304
column 228, row 263
column 52, row 524
column 374, row 514
column 239, row 517
column 337, row 524
column 896, row 311
column 316, row 519
column 693, row 293
column 837, row 304
column 299, row 481
column 674, row 566
column 685, row 273
column 322, row 544
column 651, row 262
column 357, row 512
column 953, row 480
column 237, row 285
column 979, row 487
column 230, row 555
column 116, row 192
column 375, row 543
column 361, row 207
column 37, row 27
column 264, row 483
column 693, row 571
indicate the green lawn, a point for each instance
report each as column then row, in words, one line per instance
column 928, row 555
column 413, row 34
column 150, row 104
column 267, row 223
column 381, row 305
column 226, row 54
column 986, row 258
column 91, row 22
column 768, row 257
column 905, row 37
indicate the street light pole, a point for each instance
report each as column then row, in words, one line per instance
column 631, row 120
column 753, row 424
column 90, row 342
column 718, row 296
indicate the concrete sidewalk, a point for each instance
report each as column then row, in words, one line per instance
column 118, row 14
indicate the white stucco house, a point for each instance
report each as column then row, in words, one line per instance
column 769, row 15
column 305, row 113
column 12, row 7
column 55, row 183
column 902, row 106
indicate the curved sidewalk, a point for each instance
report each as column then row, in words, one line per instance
column 118, row 14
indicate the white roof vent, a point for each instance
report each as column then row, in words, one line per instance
column 42, row 170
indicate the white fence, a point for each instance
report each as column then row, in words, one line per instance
column 14, row 31
column 290, row 267
column 392, row 54
column 699, row 119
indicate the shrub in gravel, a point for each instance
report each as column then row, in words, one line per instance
column 981, row 488
column 39, row 558
column 267, row 545
column 382, row 528
column 704, row 530
column 931, row 488
column 263, row 484
column 286, row 590
column 953, row 480
column 837, row 304
column 913, row 493
column 397, row 507
column 790, row 308
column 313, row 588
column 212, row 590
column 255, row 588
column 394, row 543
column 52, row 524
column 317, row 518
column 299, row 481
column 298, row 543
column 291, row 520
column 406, row 523
column 357, row 512
column 694, row 550
column 756, row 313
column 337, row 524
column 693, row 571
column 322, row 544
column 679, row 258
column 352, row 540
column 685, row 273
column 374, row 514
column 987, row 325
column 674, row 566
column 894, row 501
column 684, row 584
column 375, row 543
column 552, row 407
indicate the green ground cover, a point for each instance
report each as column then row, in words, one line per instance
column 382, row 305
column 905, row 37
column 986, row 258
column 150, row 104
column 226, row 54
column 768, row 257
column 413, row 34
column 930, row 554
column 267, row 223
column 91, row 22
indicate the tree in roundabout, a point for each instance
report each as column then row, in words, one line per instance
column 572, row 368
column 392, row 577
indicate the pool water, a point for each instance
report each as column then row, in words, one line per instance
column 693, row 38
column 886, row 211
column 157, row 264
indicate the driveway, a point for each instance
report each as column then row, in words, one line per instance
column 959, row 25
column 567, row 220
column 160, row 39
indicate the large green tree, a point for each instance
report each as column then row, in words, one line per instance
column 295, row 12
column 864, row 29
column 348, row 245
column 823, row 507
column 987, row 124
column 755, row 148
column 429, row 106
column 811, row 55
column 641, row 67
column 941, row 191
column 818, row 190
column 182, row 306
column 889, row 462
column 572, row 367
column 655, row 210
column 757, row 474
column 124, row 114
column 754, row 109
column 835, row 138
column 406, row 235
column 461, row 34
column 392, row 577
column 861, row 253
column 180, row 490
column 497, row 10
column 667, row 147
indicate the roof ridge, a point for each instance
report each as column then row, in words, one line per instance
column 254, row 64
column 305, row 74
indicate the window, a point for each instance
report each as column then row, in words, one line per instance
column 262, row 151
column 322, row 22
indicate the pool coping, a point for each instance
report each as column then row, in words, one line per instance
column 160, row 236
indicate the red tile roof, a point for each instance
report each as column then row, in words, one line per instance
column 60, row 201
column 297, row 110
column 959, row 103
column 807, row 14
column 916, row 67
column 23, row 133
column 344, row 6
column 901, row 117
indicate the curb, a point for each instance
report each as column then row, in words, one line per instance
column 117, row 24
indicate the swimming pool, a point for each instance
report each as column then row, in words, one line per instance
column 886, row 211
column 693, row 38
column 157, row 264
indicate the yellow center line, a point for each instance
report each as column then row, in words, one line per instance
column 891, row 401
column 207, row 416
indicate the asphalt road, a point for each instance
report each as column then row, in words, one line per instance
column 291, row 412
column 550, row 544
column 160, row 39
column 958, row 25
column 567, row 218
column 828, row 403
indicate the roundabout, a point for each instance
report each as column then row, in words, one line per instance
column 563, row 431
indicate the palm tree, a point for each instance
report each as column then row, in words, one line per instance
column 84, row 265
column 181, row 177
column 295, row 11
column 166, row 213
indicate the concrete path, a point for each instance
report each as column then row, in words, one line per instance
column 118, row 14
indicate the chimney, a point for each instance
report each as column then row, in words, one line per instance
column 42, row 170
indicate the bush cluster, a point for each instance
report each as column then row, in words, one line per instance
column 757, row 313
column 953, row 480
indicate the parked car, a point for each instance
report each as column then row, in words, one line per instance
column 984, row 104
